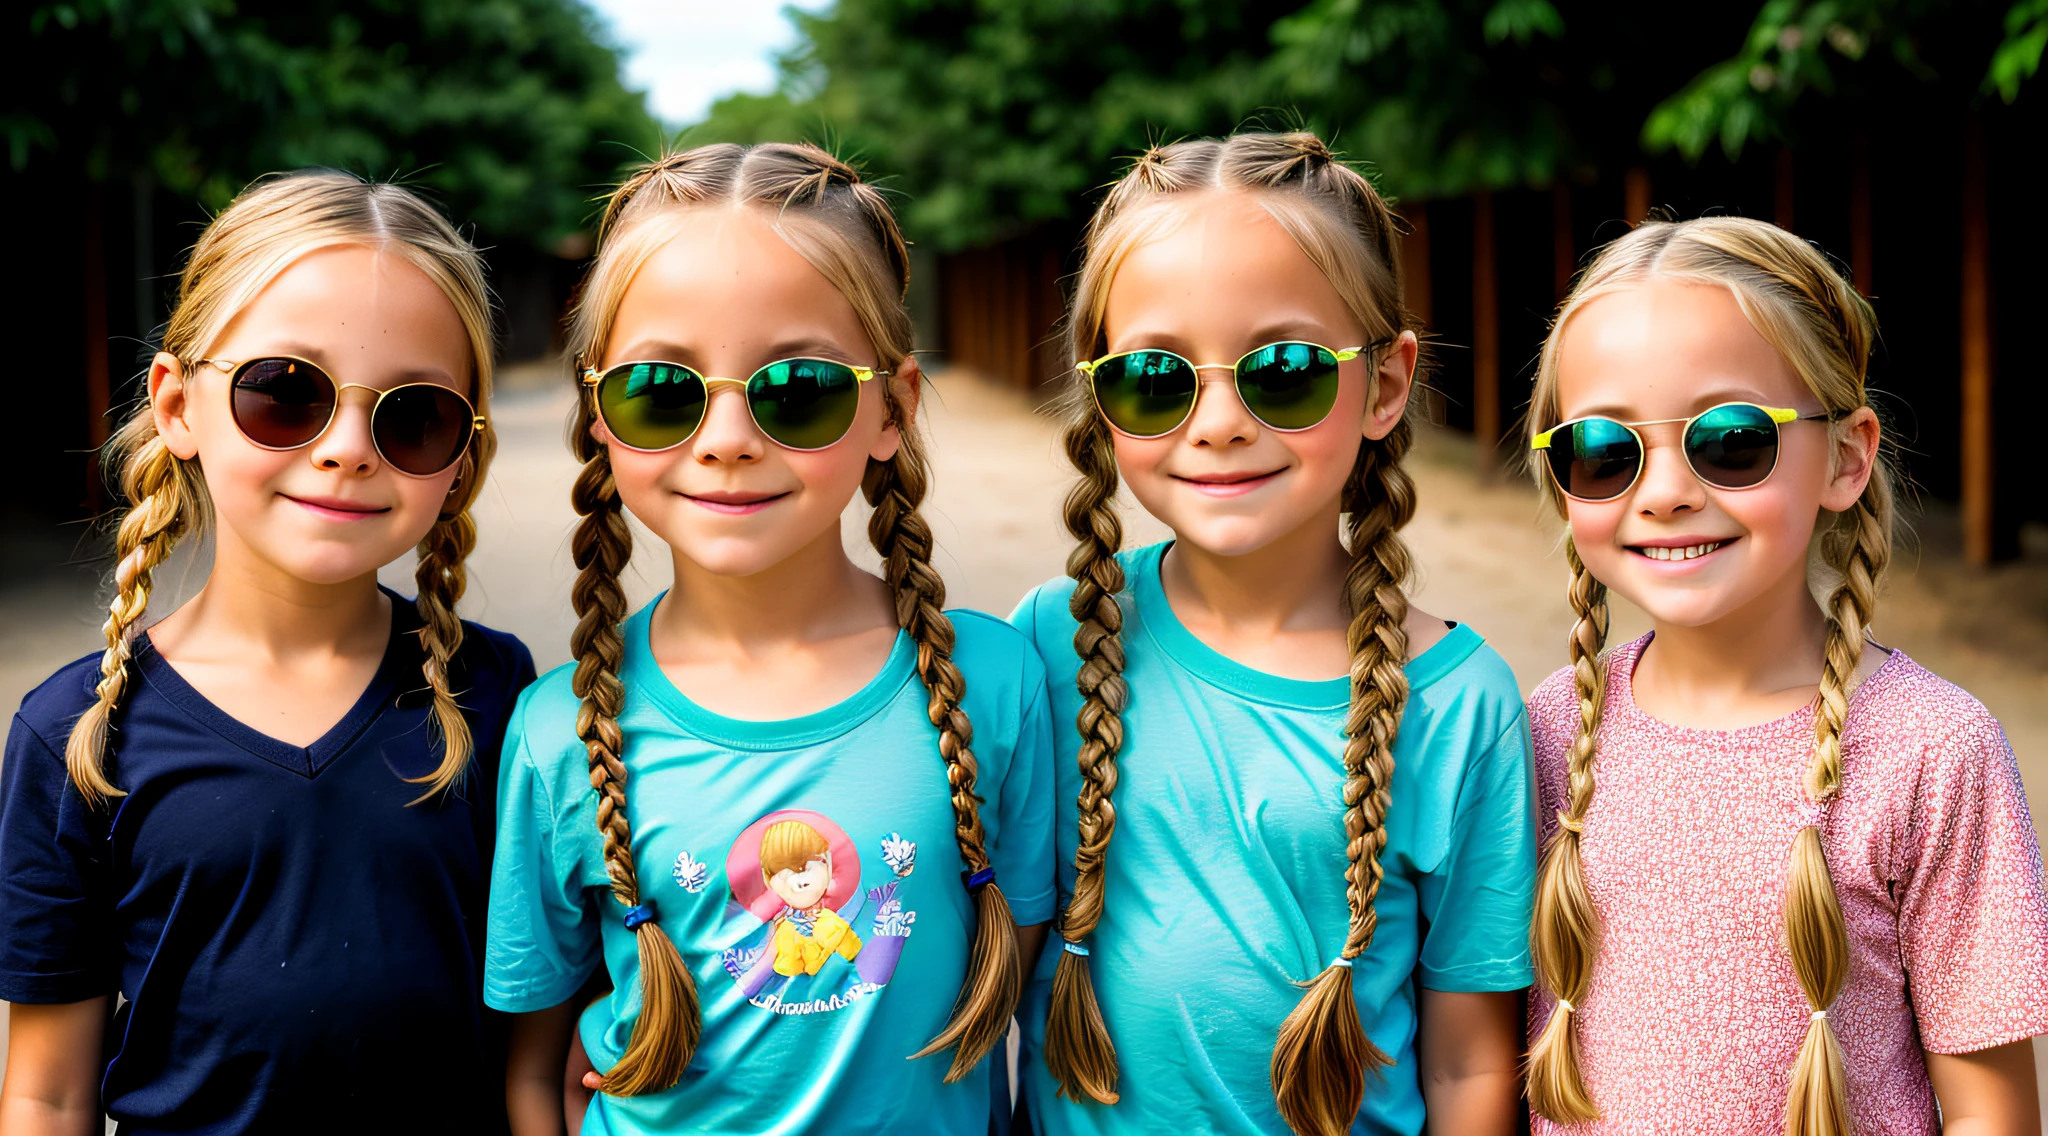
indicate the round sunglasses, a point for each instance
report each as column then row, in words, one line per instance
column 800, row 404
column 281, row 402
column 1730, row 446
column 1150, row 392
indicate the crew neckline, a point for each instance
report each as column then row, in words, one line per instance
column 1621, row 672
column 309, row 760
column 1184, row 647
column 644, row 672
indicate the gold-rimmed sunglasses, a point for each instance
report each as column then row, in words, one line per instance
column 1150, row 392
column 800, row 404
column 281, row 402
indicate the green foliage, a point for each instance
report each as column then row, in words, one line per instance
column 2019, row 56
column 509, row 111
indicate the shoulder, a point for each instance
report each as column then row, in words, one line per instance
column 1046, row 611
column 543, row 727
column 49, row 710
column 1907, row 713
column 990, row 649
column 486, row 650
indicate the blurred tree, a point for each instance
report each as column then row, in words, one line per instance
column 508, row 110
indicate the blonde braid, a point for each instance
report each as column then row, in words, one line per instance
column 166, row 501
column 995, row 972
column 1078, row 1050
column 441, row 581
column 1566, row 929
column 1858, row 546
column 1323, row 1054
column 666, row 1033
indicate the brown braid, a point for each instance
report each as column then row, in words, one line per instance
column 1566, row 928
column 995, row 972
column 1078, row 1050
column 1323, row 1054
column 666, row 1033
column 167, row 496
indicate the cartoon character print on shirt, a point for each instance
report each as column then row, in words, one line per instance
column 824, row 940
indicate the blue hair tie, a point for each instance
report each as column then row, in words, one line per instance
column 638, row 915
column 1074, row 948
column 1343, row 962
column 978, row 879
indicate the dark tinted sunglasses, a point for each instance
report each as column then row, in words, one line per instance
column 1730, row 446
column 1150, row 392
column 800, row 404
column 282, row 403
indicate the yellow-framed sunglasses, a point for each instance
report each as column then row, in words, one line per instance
column 1730, row 446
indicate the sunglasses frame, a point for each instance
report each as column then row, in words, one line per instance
column 1088, row 368
column 591, row 377
column 233, row 369
column 1780, row 416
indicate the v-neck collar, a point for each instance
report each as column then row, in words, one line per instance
column 306, row 761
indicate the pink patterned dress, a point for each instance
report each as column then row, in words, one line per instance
column 1694, row 1017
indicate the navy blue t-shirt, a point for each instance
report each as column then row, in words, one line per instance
column 299, row 947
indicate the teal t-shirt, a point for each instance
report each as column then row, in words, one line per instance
column 1225, row 876
column 807, row 871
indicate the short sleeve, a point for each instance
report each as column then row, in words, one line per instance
column 1973, row 923
column 58, row 942
column 543, row 940
column 1023, row 857
column 1479, row 900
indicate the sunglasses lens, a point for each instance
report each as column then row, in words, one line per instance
column 651, row 406
column 804, row 404
column 1595, row 459
column 1289, row 386
column 422, row 428
column 282, row 403
column 1145, row 393
column 1732, row 447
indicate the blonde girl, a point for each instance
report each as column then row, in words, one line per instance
column 264, row 820
column 1295, row 817
column 1790, row 883
column 744, row 366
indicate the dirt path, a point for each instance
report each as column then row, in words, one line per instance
column 1487, row 557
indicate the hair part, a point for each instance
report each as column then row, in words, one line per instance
column 1801, row 304
column 269, row 227
column 844, row 228
column 1347, row 230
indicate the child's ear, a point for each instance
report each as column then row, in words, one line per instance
column 169, row 406
column 1855, row 443
column 908, row 386
column 1394, row 382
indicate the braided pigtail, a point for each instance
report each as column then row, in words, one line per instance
column 167, row 500
column 1566, row 929
column 1858, row 548
column 995, row 972
column 1323, row 1054
column 1078, row 1050
column 666, row 1033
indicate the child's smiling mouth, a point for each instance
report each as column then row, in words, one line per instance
column 1667, row 552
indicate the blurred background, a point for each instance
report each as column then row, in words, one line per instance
column 1905, row 137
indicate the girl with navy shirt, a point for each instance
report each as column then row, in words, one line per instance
column 265, row 821
column 795, row 812
column 1296, row 837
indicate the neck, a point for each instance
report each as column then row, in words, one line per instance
column 1294, row 583
column 816, row 593
column 275, row 615
column 1771, row 645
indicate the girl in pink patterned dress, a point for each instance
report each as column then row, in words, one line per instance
column 1790, row 883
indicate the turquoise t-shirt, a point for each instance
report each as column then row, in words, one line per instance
column 805, row 868
column 1225, row 877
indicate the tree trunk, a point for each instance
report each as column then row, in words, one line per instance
column 1859, row 213
column 1979, row 467
column 1564, row 254
column 1485, row 336
column 98, row 391
column 1635, row 195
column 1781, row 205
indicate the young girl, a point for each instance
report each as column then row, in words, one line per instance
column 775, row 804
column 1277, row 825
column 1791, row 884
column 265, row 821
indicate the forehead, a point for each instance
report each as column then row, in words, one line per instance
column 1668, row 348
column 1217, row 261
column 356, row 306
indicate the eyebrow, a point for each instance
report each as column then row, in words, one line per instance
column 1704, row 400
column 318, row 358
column 1284, row 331
column 666, row 351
